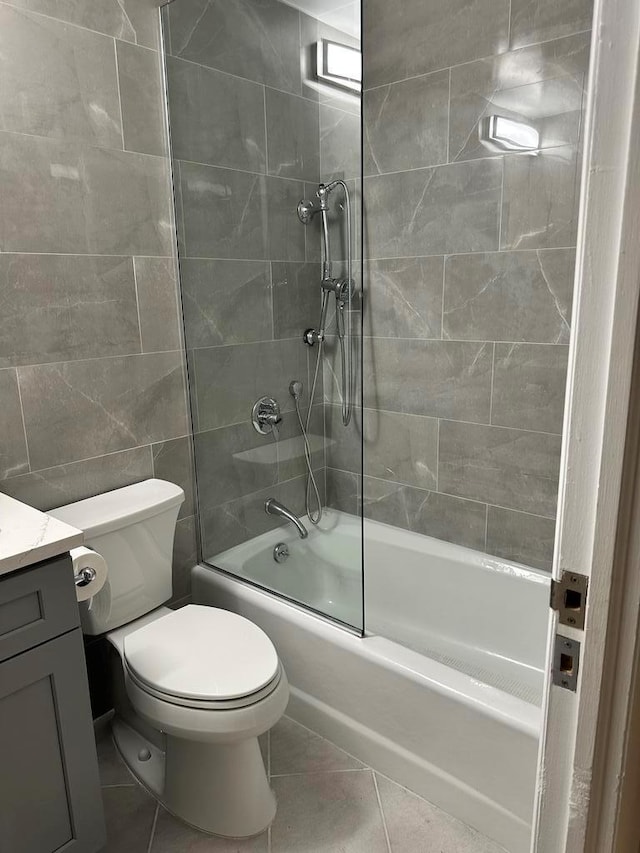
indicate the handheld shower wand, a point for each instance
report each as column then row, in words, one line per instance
column 341, row 288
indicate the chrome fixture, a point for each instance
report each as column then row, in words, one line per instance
column 505, row 134
column 274, row 507
column 265, row 416
column 342, row 288
column 84, row 577
column 281, row 553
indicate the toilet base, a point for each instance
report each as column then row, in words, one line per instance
column 220, row 789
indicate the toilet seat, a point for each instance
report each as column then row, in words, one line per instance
column 202, row 657
column 204, row 704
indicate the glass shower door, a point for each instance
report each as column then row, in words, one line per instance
column 264, row 111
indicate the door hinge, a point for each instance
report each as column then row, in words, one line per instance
column 566, row 661
column 569, row 598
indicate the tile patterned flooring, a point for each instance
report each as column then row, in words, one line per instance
column 328, row 802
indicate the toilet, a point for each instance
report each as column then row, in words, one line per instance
column 194, row 688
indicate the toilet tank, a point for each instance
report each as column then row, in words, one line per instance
column 133, row 529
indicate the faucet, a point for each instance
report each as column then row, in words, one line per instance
column 274, row 507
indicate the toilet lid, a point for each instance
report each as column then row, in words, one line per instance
column 202, row 653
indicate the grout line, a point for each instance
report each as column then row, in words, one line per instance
column 486, row 526
column 153, row 828
column 322, row 772
column 35, row 14
column 135, row 285
column 384, row 820
column 115, row 56
column 24, row 426
column 132, row 784
column 490, row 56
column 448, row 495
column 493, row 373
column 368, row 261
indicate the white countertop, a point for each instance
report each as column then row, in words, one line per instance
column 28, row 536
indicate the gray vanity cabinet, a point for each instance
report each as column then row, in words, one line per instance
column 49, row 786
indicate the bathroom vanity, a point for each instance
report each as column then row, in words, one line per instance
column 49, row 785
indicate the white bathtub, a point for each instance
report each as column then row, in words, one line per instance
column 442, row 694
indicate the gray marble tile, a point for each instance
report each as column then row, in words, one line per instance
column 427, row 512
column 131, row 20
column 285, row 232
column 78, row 410
column 404, row 297
column 296, row 298
column 349, row 820
column 59, row 307
column 236, row 521
column 540, row 205
column 173, row 836
column 230, row 379
column 406, row 124
column 546, row 19
column 293, row 135
column 295, row 749
column 14, row 458
column 416, row 37
column 215, row 118
column 542, row 86
column 529, row 383
column 57, row 81
column 142, row 99
column 518, row 536
column 506, row 467
column 223, row 213
column 185, row 557
column 129, row 813
column 62, row 198
column 234, row 461
column 230, row 214
column 255, row 40
column 344, row 444
column 343, row 490
column 401, row 447
column 414, row 824
column 64, row 484
column 436, row 378
column 172, row 461
column 453, row 208
column 225, row 302
column 509, row 296
column 157, row 290
column 340, row 144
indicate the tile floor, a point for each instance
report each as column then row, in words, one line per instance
column 328, row 802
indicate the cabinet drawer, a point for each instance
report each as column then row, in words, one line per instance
column 36, row 604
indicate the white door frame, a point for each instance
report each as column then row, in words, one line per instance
column 584, row 741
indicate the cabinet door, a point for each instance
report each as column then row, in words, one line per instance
column 49, row 786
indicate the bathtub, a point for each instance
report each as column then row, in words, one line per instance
column 443, row 691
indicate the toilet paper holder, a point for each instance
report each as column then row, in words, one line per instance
column 84, row 577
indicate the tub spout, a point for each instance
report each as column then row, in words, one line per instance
column 274, row 507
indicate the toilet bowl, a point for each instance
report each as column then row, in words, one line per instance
column 194, row 688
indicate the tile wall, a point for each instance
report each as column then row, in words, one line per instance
column 469, row 270
column 92, row 376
